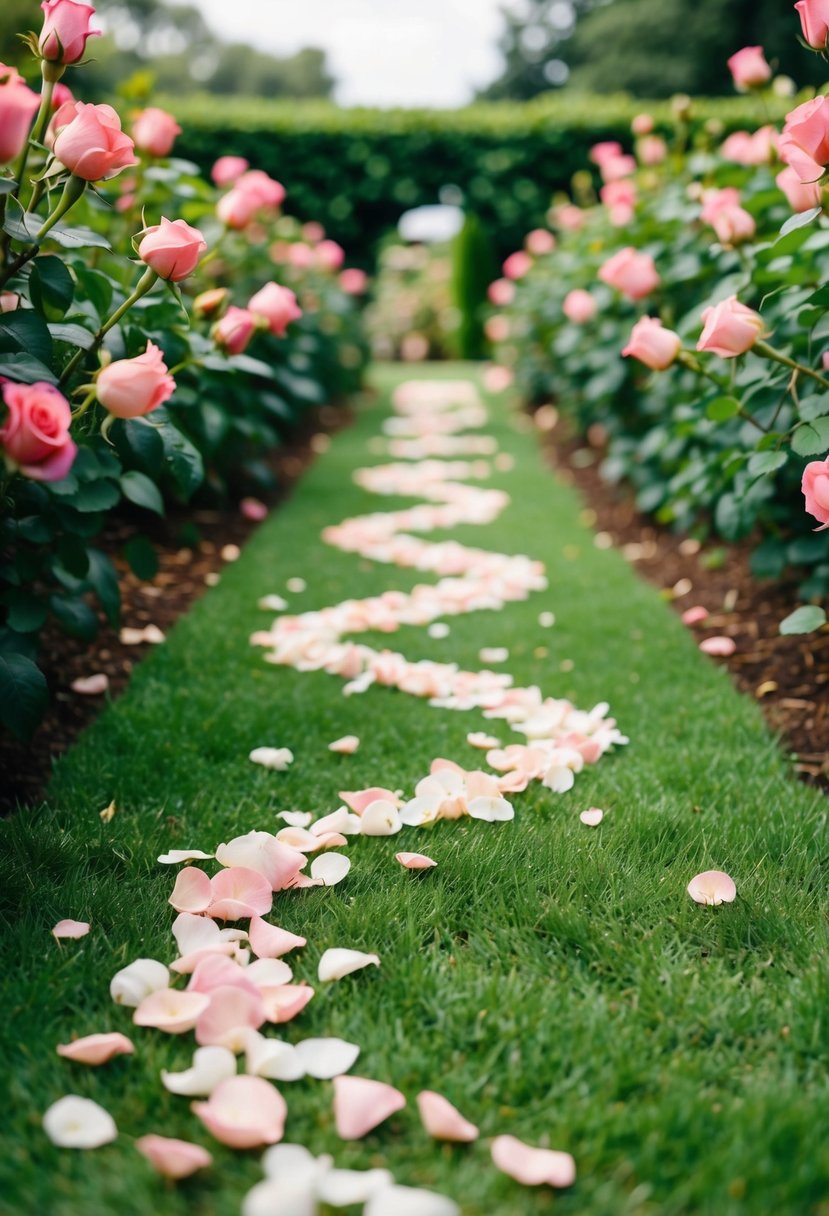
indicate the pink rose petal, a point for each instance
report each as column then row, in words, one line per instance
column 345, row 746
column 192, row 892
column 532, row 1166
column 238, row 893
column 253, row 509
column 477, row 738
column 170, row 1010
column 173, row 1158
column 358, row 800
column 694, row 616
column 269, row 941
column 712, row 887
column 244, row 1112
column 720, row 647
column 442, row 1120
column 592, row 817
column 71, row 928
column 415, row 861
column 361, row 1104
column 230, row 1011
column 285, row 1001
column 91, row 686
column 96, row 1048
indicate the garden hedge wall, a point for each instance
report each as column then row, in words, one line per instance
column 358, row 170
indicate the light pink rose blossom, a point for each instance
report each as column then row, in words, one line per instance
column 501, row 293
column 65, row 30
column 730, row 328
column 18, row 105
column 234, row 330
column 815, row 486
column 155, row 131
column 642, row 124
column 92, row 145
column 517, row 265
column 228, row 169
column 34, row 436
column 801, row 196
column 630, row 272
column 277, row 305
column 814, row 20
column 539, row 241
column 749, row 69
column 804, row 143
column 652, row 344
column 172, row 249
column 131, row 388
column 353, row 281
column 579, row 306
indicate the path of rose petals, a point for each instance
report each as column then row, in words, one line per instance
column 429, row 416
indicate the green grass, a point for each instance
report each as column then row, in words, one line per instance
column 553, row 981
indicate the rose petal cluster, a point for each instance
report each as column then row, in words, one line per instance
column 652, row 344
column 632, row 273
column 730, row 328
column 154, row 131
column 65, row 30
column 18, row 106
column 172, row 248
column 34, row 436
column 89, row 142
column 132, row 388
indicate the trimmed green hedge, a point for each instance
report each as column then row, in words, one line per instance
column 358, row 170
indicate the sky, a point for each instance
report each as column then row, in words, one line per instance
column 382, row 52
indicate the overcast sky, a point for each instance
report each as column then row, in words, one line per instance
column 383, row 52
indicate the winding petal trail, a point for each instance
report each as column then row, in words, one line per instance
column 429, row 427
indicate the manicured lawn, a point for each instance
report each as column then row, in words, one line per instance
column 554, row 981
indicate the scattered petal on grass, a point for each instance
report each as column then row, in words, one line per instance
column 358, row 800
column 712, row 887
column 592, row 817
column 341, row 820
column 361, row 1104
column 532, row 1166
column 244, row 1112
column 230, row 1011
column 296, row 585
column 238, row 893
column 192, row 892
column 272, row 603
column 343, row 1188
column 74, row 1122
column 269, row 941
column 720, row 647
column 290, row 1184
column 268, row 973
column 694, row 616
column 171, row 1011
column 283, row 1003
column 211, row 1065
column 442, row 1120
column 493, row 654
column 546, row 619
column 380, row 818
column 276, row 861
column 329, row 869
column 409, row 1201
column 477, row 738
column 177, row 856
column 137, row 637
column 196, row 934
column 173, row 1158
column 294, row 1165
column 230, row 553
column 277, row 758
column 295, row 819
column 438, row 630
column 271, row 1058
column 415, row 861
column 131, row 984
column 253, row 509
column 108, row 813
column 91, row 686
column 338, row 962
column 96, row 1048
column 71, row 928
column 326, row 1058
column 347, row 746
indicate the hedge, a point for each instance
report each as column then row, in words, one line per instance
column 358, row 170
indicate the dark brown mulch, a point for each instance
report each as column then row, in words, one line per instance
column 185, row 571
column 789, row 676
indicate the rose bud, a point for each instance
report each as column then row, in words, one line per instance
column 749, row 69
column 642, row 124
column 209, row 302
column 804, row 143
column 814, row 20
column 277, row 305
column 9, row 301
column 330, row 255
column 227, row 169
column 539, row 242
column 131, row 388
column 730, row 328
column 35, row 434
column 802, row 196
column 652, row 344
column 267, row 190
column 815, row 486
column 172, row 249
column 517, row 265
column 579, row 306
column 65, row 30
column 18, row 104
column 155, row 131
column 353, row 281
column 632, row 273
column 237, row 208
column 234, row 330
column 92, row 145
column 501, row 293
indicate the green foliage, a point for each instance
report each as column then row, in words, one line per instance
column 473, row 266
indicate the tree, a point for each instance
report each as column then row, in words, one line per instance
column 534, row 31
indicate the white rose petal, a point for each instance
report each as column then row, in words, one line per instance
column 210, row 1066
column 74, row 1122
column 409, row 1201
column 295, row 819
column 272, row 603
column 330, row 868
column 326, row 1058
column 280, row 1199
column 339, row 962
column 380, row 818
column 342, row 1188
column 175, row 856
column 277, row 758
column 271, row 1058
column 131, row 984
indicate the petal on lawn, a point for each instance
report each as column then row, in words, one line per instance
column 271, row 1058
column 74, row 1122
column 343, row 1188
column 269, row 941
column 346, row 746
column 244, row 1112
column 380, row 818
column 131, row 984
column 409, row 1201
column 358, row 800
column 339, row 962
column 415, row 861
column 227, row 1017
column 720, row 647
column 269, row 1198
column 277, row 758
column 491, row 810
column 284, row 1002
column 264, row 853
column 71, row 928
column 269, row 972
column 211, row 1065
column 238, row 893
column 295, row 819
column 294, row 1165
column 532, row 1166
column 340, row 820
column 192, row 892
column 176, row 856
column 173, row 1158
column 712, row 887
column 361, row 1104
column 592, row 817
column 442, row 1120
column 214, row 970
column 330, row 868
column 477, row 738
column 171, row 1011
column 326, row 1058
column 96, row 1048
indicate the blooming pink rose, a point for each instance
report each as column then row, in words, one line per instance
column 614, row 168
column 815, row 486
column 631, row 272
column 804, row 143
column 749, row 69
column 579, row 306
column 172, row 249
column 746, row 149
column 353, row 281
column 814, row 19
column 568, row 216
column 619, row 194
column 730, row 328
column 61, row 93
column 714, row 201
column 501, row 293
column 234, row 330
column 237, row 208
column 130, row 388
column 228, row 169
column 652, row 344
column 92, row 145
column 35, row 433
column 605, row 151
column 539, row 242
column 733, row 224
column 517, row 265
column 642, row 124
column 258, row 184
column 9, row 301
column 652, row 150
column 277, row 305
column 65, row 30
column 300, row 255
column 18, row 104
column 155, row 131
column 802, row 196
column 330, row 255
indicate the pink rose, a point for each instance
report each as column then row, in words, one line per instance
column 652, row 150
column 618, row 194
column 613, row 168
column 632, row 273
column 277, row 305
column 501, row 293
column 714, row 201
column 172, row 249
column 605, row 151
column 746, row 149
column 92, row 145
column 155, row 131
column 569, row 217
column 330, row 255
column 579, row 306
column 815, row 486
column 730, row 328
column 517, row 265
column 65, row 30
column 234, row 330
column 497, row 328
column 802, row 196
column 313, row 232
column 236, row 209
column 210, row 301
column 354, row 281
column 300, row 255
column 652, row 344
column 804, row 143
column 539, row 241
column 35, row 434
column 18, row 104
column 814, row 20
column 642, row 124
column 61, row 93
column 131, row 388
column 228, row 169
column 731, row 222
column 267, row 190
column 749, row 69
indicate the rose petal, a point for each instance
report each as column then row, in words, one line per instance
column 91, row 686
column 358, row 800
column 238, row 893
column 343, row 1188
column 192, row 892
column 415, row 861
column 283, row 1003
column 264, row 853
column 244, row 1112
column 175, row 856
column 173, row 1158
column 131, row 984
column 592, row 817
column 380, row 818
column 712, row 887
column 295, row 819
column 211, row 1065
column 277, row 758
column 477, row 738
column 361, row 1104
column 269, row 941
column 720, row 647
column 694, row 616
column 171, row 1011
column 96, row 1048
column 532, row 1166
column 74, row 1122
column 71, row 928
column 326, row 1058
column 271, row 1058
column 442, row 1120
column 330, row 868
column 229, row 1013
column 346, row 746
column 409, row 1201
column 339, row 962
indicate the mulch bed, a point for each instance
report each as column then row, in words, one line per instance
column 789, row 676
column 185, row 571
